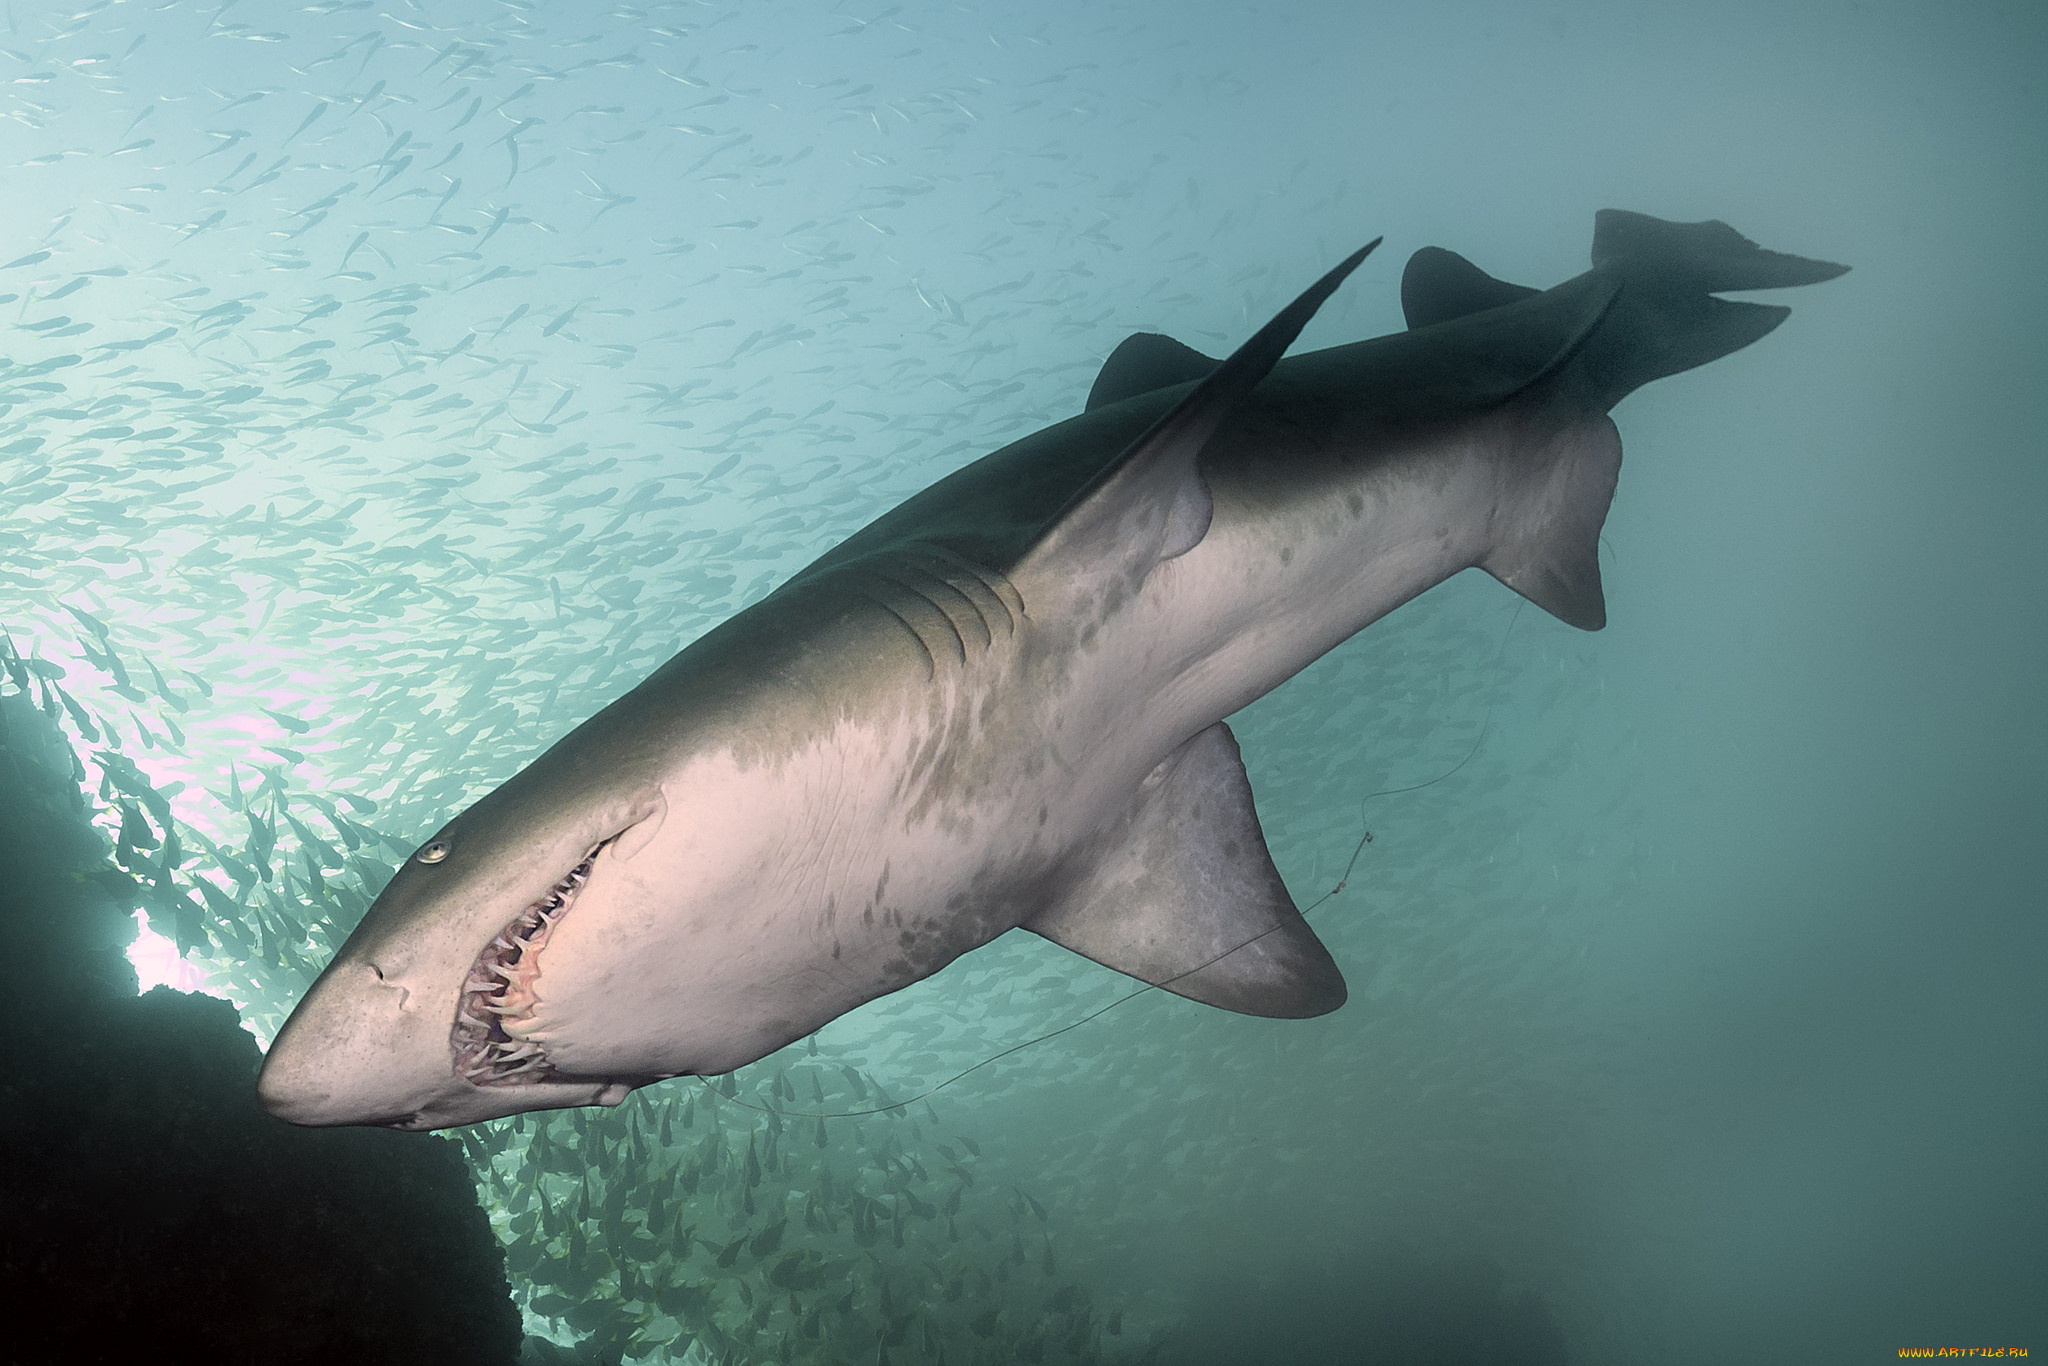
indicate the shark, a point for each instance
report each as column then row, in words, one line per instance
column 1003, row 704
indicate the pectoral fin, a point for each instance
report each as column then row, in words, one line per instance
column 1181, row 892
column 1548, row 544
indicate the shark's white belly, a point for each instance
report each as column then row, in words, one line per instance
column 895, row 843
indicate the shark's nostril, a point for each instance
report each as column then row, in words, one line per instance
column 384, row 980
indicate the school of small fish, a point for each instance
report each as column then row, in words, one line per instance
column 385, row 387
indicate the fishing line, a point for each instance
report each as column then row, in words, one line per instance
column 1365, row 838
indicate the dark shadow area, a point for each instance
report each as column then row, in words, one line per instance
column 152, row 1209
column 1381, row 1311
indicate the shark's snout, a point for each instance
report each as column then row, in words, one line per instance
column 308, row 1077
column 289, row 1090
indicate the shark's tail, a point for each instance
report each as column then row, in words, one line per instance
column 1646, row 309
column 1666, row 318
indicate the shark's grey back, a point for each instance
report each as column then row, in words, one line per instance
column 1645, row 310
column 1103, row 497
column 1664, row 320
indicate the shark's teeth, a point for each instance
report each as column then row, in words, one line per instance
column 499, row 989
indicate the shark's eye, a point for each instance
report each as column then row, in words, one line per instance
column 433, row 851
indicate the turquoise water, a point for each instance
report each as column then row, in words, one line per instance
column 389, row 387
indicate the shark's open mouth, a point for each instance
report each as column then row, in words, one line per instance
column 500, row 991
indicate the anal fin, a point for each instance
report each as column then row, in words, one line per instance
column 1547, row 540
column 1181, row 892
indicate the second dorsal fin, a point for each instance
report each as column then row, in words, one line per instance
column 1145, row 361
column 1440, row 285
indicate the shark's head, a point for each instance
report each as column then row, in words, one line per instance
column 408, row 1026
column 563, row 941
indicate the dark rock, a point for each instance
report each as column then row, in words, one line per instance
column 151, row 1209
column 1364, row 1307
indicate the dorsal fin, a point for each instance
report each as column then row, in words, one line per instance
column 1145, row 361
column 1150, row 503
column 1439, row 285
column 1180, row 891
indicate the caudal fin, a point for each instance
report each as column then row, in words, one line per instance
column 1666, row 318
column 1663, row 318
column 1697, row 258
